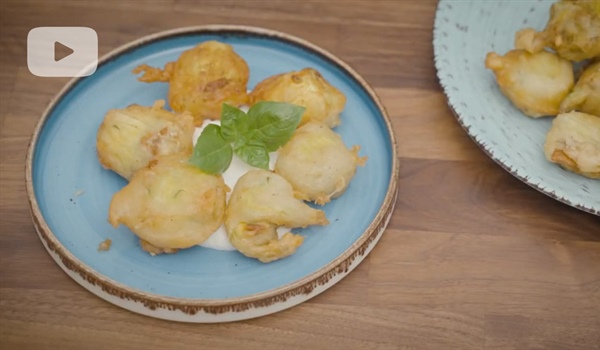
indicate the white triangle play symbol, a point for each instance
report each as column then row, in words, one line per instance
column 61, row 51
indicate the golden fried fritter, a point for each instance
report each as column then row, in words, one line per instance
column 202, row 79
column 585, row 97
column 536, row 83
column 260, row 202
column 170, row 205
column 573, row 31
column 317, row 164
column 131, row 137
column 574, row 143
column 306, row 88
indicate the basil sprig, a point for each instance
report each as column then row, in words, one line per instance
column 212, row 153
column 266, row 127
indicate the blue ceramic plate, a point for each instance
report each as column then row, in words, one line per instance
column 465, row 31
column 70, row 192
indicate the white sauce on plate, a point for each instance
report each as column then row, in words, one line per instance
column 218, row 240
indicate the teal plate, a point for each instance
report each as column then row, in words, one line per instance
column 465, row 31
column 70, row 192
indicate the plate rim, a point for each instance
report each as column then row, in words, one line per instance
column 510, row 168
column 304, row 286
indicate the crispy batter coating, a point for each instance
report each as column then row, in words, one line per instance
column 536, row 83
column 131, row 137
column 574, row 143
column 260, row 202
column 317, row 163
column 104, row 245
column 573, row 31
column 202, row 79
column 170, row 205
column 153, row 250
column 585, row 97
column 306, row 88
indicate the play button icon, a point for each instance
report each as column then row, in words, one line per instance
column 61, row 51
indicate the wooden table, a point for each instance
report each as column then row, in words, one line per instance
column 472, row 258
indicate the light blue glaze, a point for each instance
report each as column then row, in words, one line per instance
column 65, row 162
column 465, row 31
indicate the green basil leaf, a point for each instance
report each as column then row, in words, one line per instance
column 234, row 123
column 273, row 123
column 253, row 152
column 212, row 153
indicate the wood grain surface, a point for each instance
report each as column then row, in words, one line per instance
column 472, row 259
